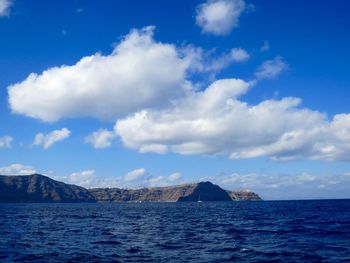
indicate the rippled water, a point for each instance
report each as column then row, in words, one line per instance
column 283, row 231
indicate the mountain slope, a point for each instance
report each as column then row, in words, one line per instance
column 38, row 188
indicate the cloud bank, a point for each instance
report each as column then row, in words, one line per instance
column 217, row 121
column 134, row 179
column 288, row 186
column 17, row 169
column 144, row 85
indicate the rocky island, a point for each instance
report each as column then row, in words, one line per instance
column 38, row 188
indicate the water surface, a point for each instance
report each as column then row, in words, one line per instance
column 278, row 231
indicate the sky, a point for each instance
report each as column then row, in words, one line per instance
column 247, row 94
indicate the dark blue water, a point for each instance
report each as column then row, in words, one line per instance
column 284, row 231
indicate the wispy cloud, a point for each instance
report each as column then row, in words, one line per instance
column 48, row 140
column 239, row 55
column 101, row 138
column 5, row 7
column 271, row 68
column 6, row 142
column 265, row 47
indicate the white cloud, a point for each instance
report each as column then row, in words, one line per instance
column 215, row 121
column 17, row 169
column 239, row 55
column 5, row 7
column 85, row 179
column 48, row 140
column 101, row 139
column 219, row 17
column 271, row 68
column 174, row 177
column 6, row 142
column 134, row 175
column 265, row 46
column 140, row 73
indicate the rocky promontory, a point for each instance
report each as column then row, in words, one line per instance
column 39, row 188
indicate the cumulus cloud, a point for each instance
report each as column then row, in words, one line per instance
column 17, row 169
column 6, row 142
column 219, row 17
column 100, row 139
column 216, row 121
column 134, row 179
column 140, row 73
column 271, row 68
column 5, row 7
column 48, row 140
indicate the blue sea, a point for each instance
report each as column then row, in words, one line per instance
column 268, row 231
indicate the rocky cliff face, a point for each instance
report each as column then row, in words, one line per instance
column 156, row 194
column 244, row 195
column 204, row 191
column 38, row 188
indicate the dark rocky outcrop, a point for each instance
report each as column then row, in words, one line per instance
column 37, row 188
column 206, row 191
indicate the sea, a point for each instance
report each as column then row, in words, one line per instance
column 262, row 231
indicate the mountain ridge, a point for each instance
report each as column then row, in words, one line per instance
column 39, row 188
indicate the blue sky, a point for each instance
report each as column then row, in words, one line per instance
column 248, row 94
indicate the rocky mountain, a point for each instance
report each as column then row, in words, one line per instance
column 38, row 188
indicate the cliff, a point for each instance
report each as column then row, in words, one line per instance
column 37, row 188
column 203, row 191
column 155, row 194
column 244, row 195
